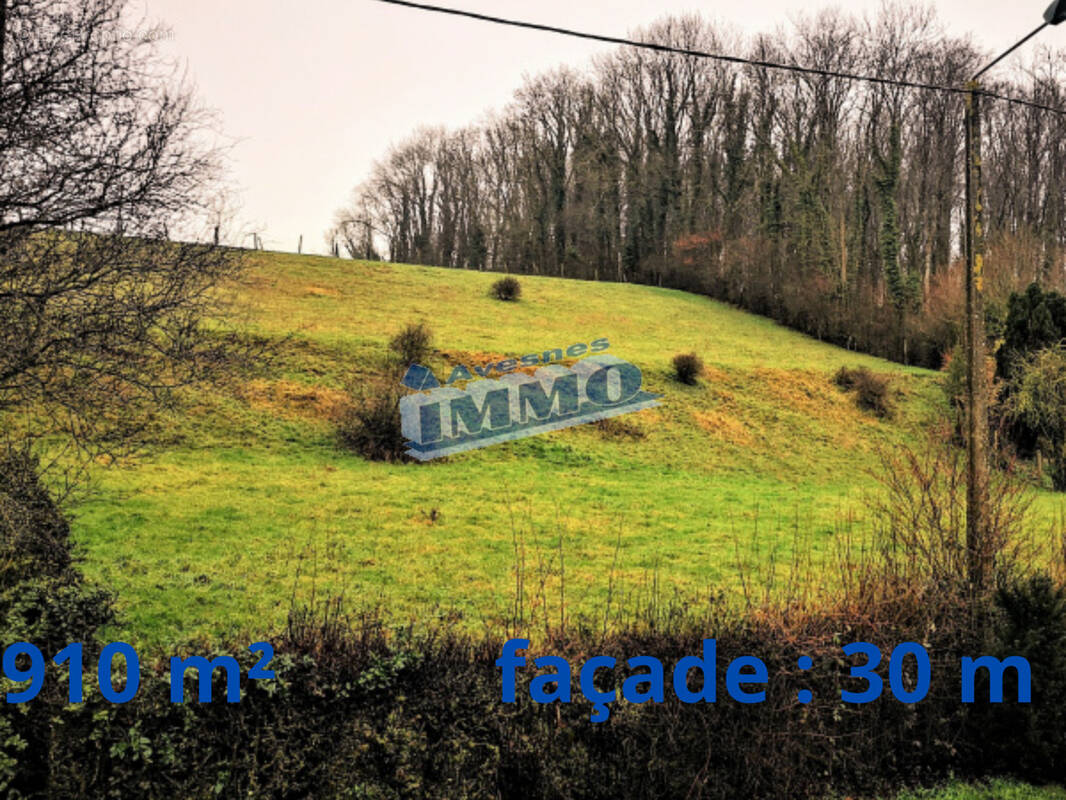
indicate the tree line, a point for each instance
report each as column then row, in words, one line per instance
column 831, row 205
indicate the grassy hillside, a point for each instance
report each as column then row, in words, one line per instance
column 250, row 502
column 996, row 790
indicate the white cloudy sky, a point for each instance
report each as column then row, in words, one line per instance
column 314, row 91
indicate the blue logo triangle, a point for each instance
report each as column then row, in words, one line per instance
column 420, row 378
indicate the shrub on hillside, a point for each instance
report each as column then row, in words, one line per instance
column 619, row 428
column 872, row 394
column 688, row 367
column 508, row 289
column 370, row 424
column 413, row 344
column 871, row 390
column 845, row 377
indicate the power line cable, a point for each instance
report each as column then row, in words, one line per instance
column 1014, row 47
column 683, row 51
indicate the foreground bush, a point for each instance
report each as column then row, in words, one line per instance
column 34, row 534
column 357, row 712
column 619, row 428
column 1028, row 740
column 43, row 596
column 43, row 600
column 507, row 289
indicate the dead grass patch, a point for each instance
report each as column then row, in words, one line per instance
column 293, row 400
column 321, row 291
column 724, row 426
column 806, row 393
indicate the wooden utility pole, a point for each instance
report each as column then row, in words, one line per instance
column 978, row 549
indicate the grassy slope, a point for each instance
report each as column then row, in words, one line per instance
column 997, row 790
column 252, row 501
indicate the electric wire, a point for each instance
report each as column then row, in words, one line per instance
column 683, row 51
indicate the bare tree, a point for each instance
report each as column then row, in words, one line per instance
column 102, row 154
column 354, row 227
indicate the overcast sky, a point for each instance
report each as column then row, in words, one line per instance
column 314, row 91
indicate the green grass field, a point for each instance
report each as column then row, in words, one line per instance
column 250, row 502
column 996, row 790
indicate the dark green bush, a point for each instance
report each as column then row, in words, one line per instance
column 1026, row 739
column 45, row 601
column 1036, row 407
column 358, row 711
column 43, row 597
column 34, row 534
column 687, row 368
column 507, row 289
column 1035, row 319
